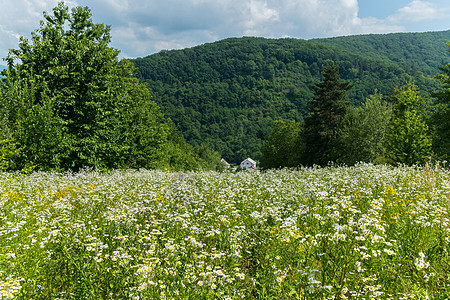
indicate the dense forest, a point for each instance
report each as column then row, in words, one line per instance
column 416, row 52
column 226, row 95
column 67, row 102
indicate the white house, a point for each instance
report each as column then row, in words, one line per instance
column 248, row 164
column 225, row 163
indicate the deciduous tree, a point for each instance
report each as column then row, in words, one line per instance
column 283, row 147
column 72, row 103
column 364, row 132
column 409, row 139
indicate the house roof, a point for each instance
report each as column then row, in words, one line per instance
column 250, row 160
column 225, row 163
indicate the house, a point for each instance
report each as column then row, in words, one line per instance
column 226, row 165
column 248, row 164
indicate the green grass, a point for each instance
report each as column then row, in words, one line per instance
column 363, row 232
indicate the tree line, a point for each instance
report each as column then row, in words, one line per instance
column 402, row 127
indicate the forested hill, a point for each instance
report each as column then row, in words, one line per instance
column 228, row 93
column 424, row 52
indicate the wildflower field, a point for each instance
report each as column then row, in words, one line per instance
column 362, row 232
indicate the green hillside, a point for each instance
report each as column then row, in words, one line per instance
column 416, row 52
column 227, row 94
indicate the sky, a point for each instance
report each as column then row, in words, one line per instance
column 143, row 27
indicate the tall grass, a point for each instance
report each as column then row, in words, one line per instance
column 363, row 232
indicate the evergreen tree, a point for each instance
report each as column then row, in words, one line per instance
column 325, row 117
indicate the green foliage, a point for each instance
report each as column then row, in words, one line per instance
column 70, row 103
column 422, row 52
column 8, row 148
column 441, row 117
column 325, row 118
column 180, row 155
column 32, row 125
column 7, row 152
column 364, row 131
column 409, row 139
column 283, row 147
column 227, row 94
column 441, row 125
column 378, row 131
column 208, row 158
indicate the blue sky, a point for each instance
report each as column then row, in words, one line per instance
column 381, row 8
column 143, row 27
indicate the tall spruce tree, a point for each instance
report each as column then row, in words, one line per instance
column 326, row 113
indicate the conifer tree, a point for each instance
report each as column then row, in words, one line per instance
column 325, row 117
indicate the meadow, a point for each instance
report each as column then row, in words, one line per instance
column 362, row 232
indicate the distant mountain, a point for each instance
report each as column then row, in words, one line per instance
column 228, row 93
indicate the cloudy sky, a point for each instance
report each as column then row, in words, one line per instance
column 143, row 27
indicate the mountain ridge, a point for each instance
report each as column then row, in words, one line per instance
column 228, row 93
column 431, row 44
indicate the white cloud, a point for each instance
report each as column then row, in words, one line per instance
column 374, row 25
column 417, row 11
column 259, row 16
column 320, row 18
column 191, row 21
column 141, row 27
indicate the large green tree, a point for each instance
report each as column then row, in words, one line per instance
column 409, row 139
column 364, row 132
column 283, row 147
column 69, row 102
column 326, row 114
